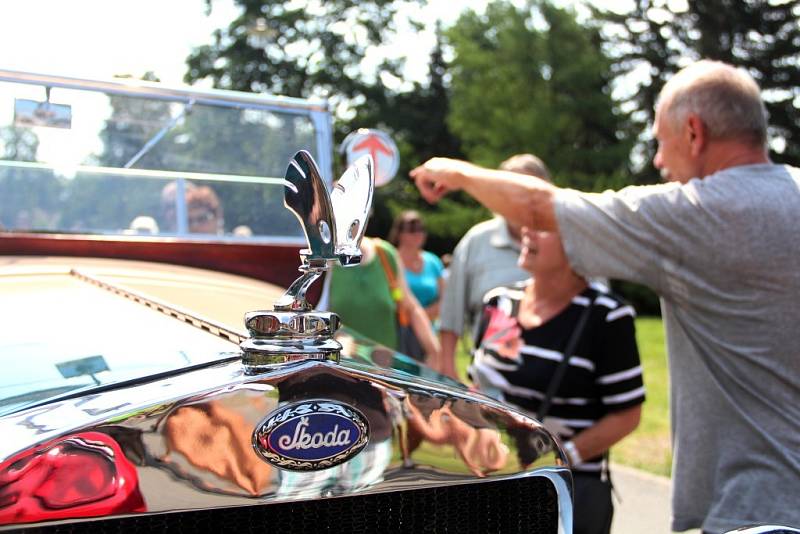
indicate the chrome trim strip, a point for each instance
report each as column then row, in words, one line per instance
column 133, row 87
column 562, row 481
column 146, row 173
column 161, row 307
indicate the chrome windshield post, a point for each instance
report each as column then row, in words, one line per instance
column 334, row 225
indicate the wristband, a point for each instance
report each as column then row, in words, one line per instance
column 572, row 454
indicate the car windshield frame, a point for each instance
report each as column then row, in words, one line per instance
column 271, row 115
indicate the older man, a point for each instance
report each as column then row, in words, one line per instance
column 720, row 245
column 486, row 257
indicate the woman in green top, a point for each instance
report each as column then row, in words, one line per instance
column 364, row 299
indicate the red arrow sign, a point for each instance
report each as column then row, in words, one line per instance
column 374, row 144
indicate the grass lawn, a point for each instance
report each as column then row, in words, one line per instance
column 648, row 448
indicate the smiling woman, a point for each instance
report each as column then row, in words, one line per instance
column 565, row 351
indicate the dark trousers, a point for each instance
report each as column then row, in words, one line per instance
column 593, row 510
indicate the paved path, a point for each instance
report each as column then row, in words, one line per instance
column 644, row 505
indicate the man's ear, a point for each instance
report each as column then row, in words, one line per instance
column 697, row 134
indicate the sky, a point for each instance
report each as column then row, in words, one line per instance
column 103, row 38
column 98, row 39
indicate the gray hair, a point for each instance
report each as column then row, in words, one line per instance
column 526, row 164
column 726, row 99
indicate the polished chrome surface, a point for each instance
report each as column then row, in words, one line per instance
column 131, row 86
column 764, row 529
column 290, row 325
column 352, row 200
column 185, row 442
column 333, row 223
column 334, row 226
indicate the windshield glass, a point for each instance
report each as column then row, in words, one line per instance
column 85, row 160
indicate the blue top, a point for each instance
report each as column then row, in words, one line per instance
column 425, row 284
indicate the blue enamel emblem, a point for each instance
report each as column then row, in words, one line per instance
column 311, row 435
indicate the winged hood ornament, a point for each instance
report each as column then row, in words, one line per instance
column 334, row 224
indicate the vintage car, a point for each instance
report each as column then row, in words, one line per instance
column 158, row 375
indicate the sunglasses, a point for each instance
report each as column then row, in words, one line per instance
column 412, row 226
column 201, row 218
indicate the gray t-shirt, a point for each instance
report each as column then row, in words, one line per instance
column 485, row 258
column 724, row 255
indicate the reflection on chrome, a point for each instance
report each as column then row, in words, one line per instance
column 264, row 429
column 214, row 438
column 80, row 475
column 184, row 449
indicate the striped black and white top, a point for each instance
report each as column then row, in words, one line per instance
column 604, row 372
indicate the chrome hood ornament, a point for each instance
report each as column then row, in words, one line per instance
column 334, row 225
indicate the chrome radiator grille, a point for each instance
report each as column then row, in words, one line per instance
column 523, row 505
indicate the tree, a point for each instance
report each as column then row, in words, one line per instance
column 94, row 202
column 416, row 119
column 533, row 80
column 318, row 49
column 296, row 49
column 28, row 197
column 651, row 42
column 763, row 37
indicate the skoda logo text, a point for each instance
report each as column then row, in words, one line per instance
column 311, row 435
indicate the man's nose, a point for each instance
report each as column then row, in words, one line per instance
column 657, row 160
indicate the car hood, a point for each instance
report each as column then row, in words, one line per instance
column 73, row 323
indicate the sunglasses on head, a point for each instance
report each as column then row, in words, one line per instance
column 412, row 226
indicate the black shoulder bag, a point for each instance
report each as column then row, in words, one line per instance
column 569, row 349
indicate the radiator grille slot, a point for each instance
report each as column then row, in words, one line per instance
column 522, row 505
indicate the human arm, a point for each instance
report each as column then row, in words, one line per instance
column 447, row 356
column 618, row 380
column 433, row 309
column 610, row 429
column 420, row 323
column 524, row 200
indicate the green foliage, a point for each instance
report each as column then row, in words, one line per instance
column 534, row 80
column 27, row 197
column 524, row 89
column 643, row 299
column 18, row 144
column 415, row 118
column 764, row 37
column 760, row 35
column 416, row 121
column 297, row 49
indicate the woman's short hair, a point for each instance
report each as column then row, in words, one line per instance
column 204, row 196
column 400, row 221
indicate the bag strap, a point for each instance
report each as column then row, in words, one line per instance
column 394, row 289
column 558, row 376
